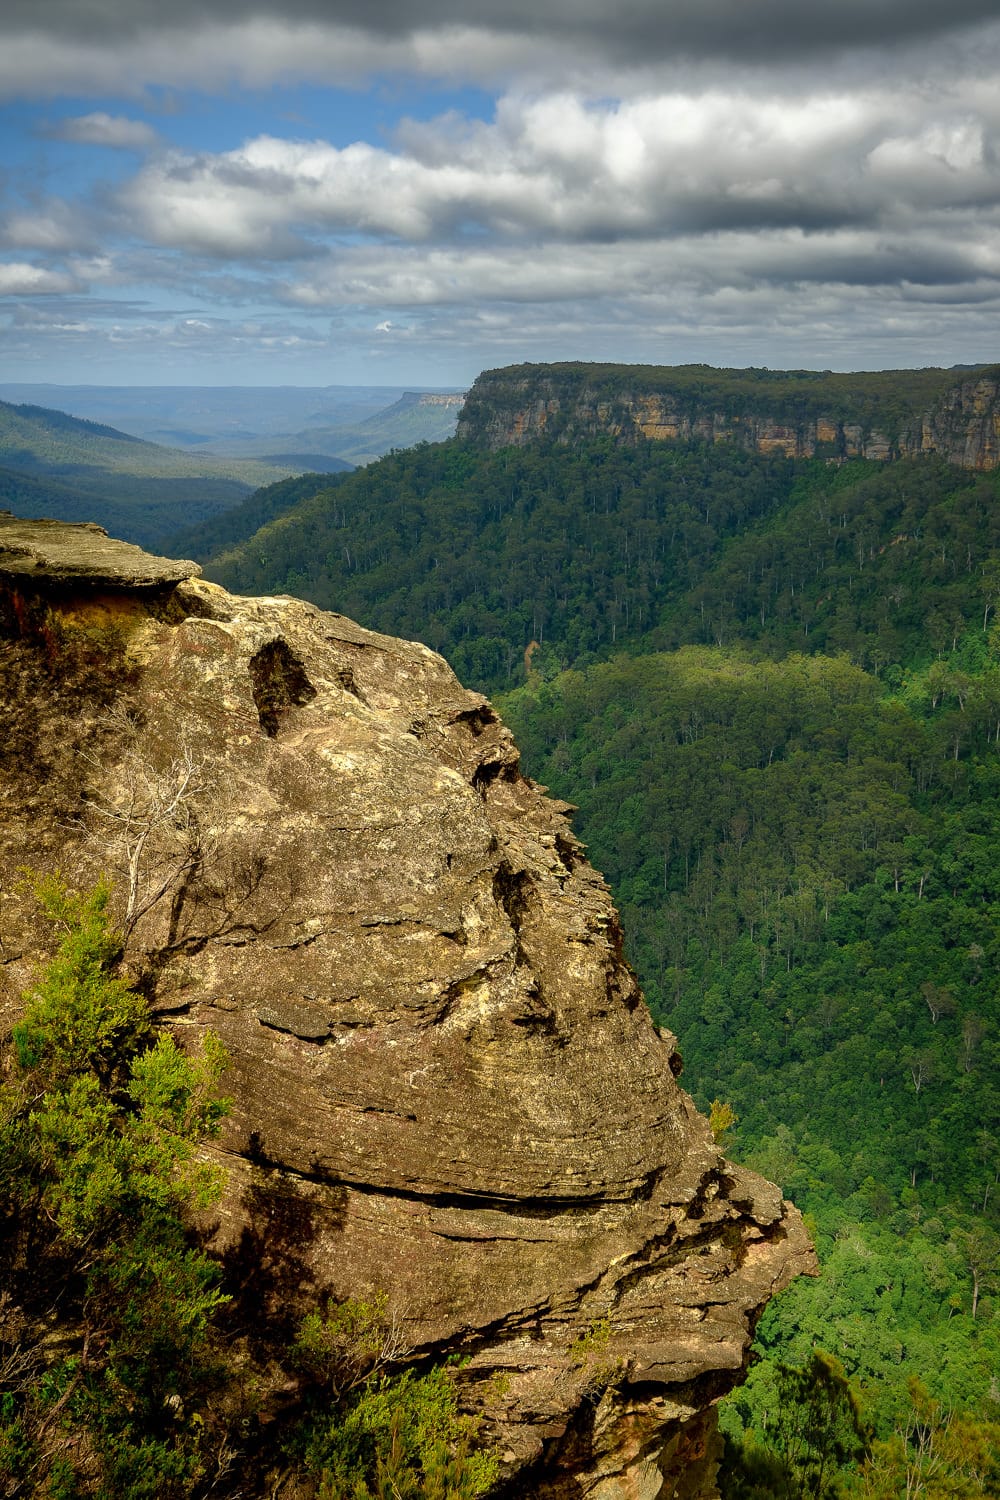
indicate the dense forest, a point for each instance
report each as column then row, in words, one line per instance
column 604, row 549
column 773, row 689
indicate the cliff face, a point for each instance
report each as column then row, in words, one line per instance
column 961, row 423
column 446, row 1085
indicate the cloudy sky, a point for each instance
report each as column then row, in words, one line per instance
column 386, row 191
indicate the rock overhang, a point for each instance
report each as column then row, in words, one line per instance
column 57, row 554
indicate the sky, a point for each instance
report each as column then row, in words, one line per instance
column 388, row 192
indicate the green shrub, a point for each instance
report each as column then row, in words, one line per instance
column 99, row 1127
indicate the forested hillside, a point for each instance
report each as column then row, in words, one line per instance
column 478, row 554
column 603, row 549
column 773, row 689
column 52, row 464
column 808, row 877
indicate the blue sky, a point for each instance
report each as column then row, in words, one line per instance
column 330, row 192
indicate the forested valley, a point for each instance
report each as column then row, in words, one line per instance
column 772, row 687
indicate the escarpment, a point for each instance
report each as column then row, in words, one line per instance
column 445, row 1083
column 800, row 413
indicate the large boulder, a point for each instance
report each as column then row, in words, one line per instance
column 445, row 1083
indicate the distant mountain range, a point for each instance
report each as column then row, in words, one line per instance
column 353, row 423
column 417, row 417
column 57, row 465
column 228, row 443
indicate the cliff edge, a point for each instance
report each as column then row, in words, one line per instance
column 446, row 1084
column 796, row 413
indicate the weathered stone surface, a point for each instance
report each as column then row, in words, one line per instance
column 445, row 1082
column 54, row 552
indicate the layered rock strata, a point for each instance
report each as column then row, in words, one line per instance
column 510, row 407
column 445, row 1083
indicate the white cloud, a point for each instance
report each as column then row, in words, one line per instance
column 100, row 129
column 18, row 279
column 562, row 168
column 656, row 175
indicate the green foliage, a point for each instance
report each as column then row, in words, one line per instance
column 344, row 1345
column 99, row 1129
column 722, row 1119
column 478, row 554
column 599, row 548
column 80, row 1017
column 240, row 522
column 808, row 883
column 101, row 1123
column 400, row 1439
column 373, row 1433
column 932, row 1451
column 592, row 1343
column 812, row 1436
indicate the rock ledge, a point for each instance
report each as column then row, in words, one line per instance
column 54, row 552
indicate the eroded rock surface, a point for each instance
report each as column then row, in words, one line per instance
column 53, row 553
column 446, row 1084
column 522, row 403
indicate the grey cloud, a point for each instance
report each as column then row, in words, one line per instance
column 101, row 129
column 707, row 271
column 634, row 29
column 815, row 325
column 49, row 226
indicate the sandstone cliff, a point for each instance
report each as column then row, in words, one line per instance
column 801, row 414
column 446, row 1083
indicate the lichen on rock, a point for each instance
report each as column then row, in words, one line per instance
column 446, row 1084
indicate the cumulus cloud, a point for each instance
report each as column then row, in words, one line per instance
column 19, row 279
column 656, row 175
column 101, row 129
column 562, row 169
column 49, row 227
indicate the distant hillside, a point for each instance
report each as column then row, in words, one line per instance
column 81, row 470
column 308, row 463
column 228, row 531
column 200, row 416
column 36, row 439
column 800, row 413
column 605, row 547
column 417, row 417
column 355, row 423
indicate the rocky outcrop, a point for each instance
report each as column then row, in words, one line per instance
column 445, row 1082
column 44, row 555
column 784, row 415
